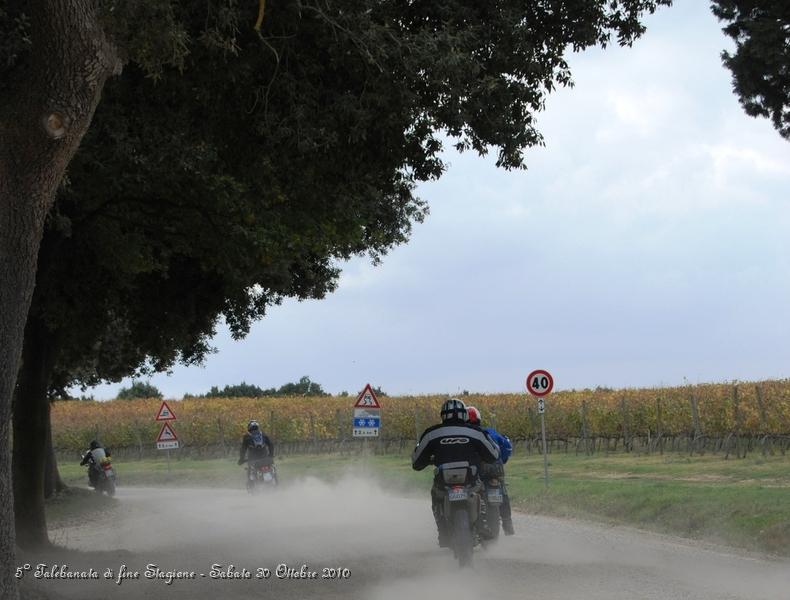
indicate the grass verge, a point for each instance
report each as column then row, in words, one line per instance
column 744, row 503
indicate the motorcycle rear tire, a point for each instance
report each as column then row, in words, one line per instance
column 493, row 519
column 462, row 537
column 109, row 487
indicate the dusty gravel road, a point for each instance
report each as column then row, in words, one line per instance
column 388, row 544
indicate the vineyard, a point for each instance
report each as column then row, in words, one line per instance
column 732, row 418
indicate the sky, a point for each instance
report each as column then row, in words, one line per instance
column 646, row 245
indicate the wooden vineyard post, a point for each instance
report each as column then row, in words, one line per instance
column 221, row 430
column 736, row 406
column 763, row 417
column 624, row 412
column 659, row 427
column 585, row 430
column 695, row 420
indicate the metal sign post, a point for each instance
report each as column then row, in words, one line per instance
column 542, row 411
column 539, row 384
column 167, row 438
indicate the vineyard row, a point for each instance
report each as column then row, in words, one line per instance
column 713, row 412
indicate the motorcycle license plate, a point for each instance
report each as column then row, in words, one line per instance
column 267, row 476
column 458, row 493
column 495, row 496
column 108, row 472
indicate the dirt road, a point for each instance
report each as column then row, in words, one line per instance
column 388, row 545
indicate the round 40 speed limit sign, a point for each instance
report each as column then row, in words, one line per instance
column 540, row 383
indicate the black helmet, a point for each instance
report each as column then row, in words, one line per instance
column 454, row 409
column 94, row 444
column 253, row 426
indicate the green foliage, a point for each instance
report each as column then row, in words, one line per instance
column 139, row 389
column 760, row 76
column 80, row 398
column 304, row 387
column 227, row 169
column 241, row 390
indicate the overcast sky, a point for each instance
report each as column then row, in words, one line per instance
column 647, row 244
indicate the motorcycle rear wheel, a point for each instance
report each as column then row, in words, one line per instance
column 109, row 487
column 462, row 537
column 493, row 519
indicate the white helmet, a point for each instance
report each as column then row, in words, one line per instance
column 454, row 409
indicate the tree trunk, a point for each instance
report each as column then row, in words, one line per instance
column 31, row 428
column 42, row 120
column 53, row 484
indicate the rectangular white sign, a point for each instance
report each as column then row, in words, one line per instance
column 366, row 422
column 167, row 445
column 365, row 432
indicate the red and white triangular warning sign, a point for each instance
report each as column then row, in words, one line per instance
column 367, row 399
column 166, row 434
column 165, row 414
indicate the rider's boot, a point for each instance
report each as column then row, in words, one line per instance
column 507, row 526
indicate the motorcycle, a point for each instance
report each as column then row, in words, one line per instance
column 101, row 475
column 494, row 489
column 463, row 509
column 261, row 473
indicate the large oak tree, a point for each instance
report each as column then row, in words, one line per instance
column 760, row 65
column 228, row 168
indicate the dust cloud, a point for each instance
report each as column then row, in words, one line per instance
column 309, row 525
column 387, row 543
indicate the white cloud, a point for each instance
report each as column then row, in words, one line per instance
column 641, row 112
column 732, row 163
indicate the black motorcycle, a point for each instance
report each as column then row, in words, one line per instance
column 261, row 474
column 494, row 489
column 463, row 509
column 101, row 475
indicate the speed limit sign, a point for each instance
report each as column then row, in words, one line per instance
column 539, row 383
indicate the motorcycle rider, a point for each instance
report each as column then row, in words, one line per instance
column 468, row 444
column 505, row 450
column 94, row 457
column 256, row 447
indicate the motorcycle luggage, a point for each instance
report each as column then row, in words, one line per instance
column 455, row 473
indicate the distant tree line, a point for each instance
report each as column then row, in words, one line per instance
column 139, row 389
column 304, row 387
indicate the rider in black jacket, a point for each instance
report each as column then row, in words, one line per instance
column 255, row 445
column 452, row 440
